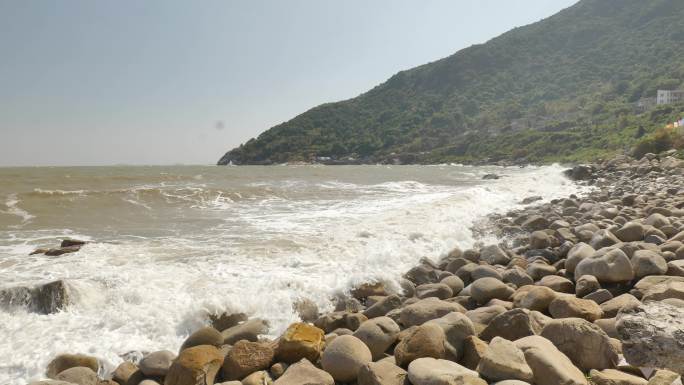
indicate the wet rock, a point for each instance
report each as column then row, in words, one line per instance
column 494, row 255
column 224, row 321
column 535, row 222
column 455, row 284
column 587, row 346
column 383, row 306
column 652, row 335
column 306, row 309
column 249, row 330
column 65, row 361
column 197, row 365
column 300, row 341
column 540, row 240
column 438, row 290
column 344, row 357
column 204, row 336
column 124, row 371
column 62, row 250
column 78, row 375
column 247, row 357
column 157, row 364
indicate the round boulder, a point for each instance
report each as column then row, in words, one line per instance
column 344, row 357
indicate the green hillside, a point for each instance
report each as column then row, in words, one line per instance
column 564, row 88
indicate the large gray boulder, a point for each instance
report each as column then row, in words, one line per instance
column 609, row 266
column 586, row 344
column 652, row 335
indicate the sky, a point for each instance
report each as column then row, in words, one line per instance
column 86, row 82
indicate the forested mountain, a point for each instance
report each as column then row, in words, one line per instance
column 563, row 88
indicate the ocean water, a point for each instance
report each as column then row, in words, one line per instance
column 171, row 245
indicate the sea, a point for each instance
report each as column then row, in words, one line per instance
column 170, row 245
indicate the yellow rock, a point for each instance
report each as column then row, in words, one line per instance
column 300, row 340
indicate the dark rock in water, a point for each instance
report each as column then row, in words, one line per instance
column 226, row 321
column 72, row 242
column 532, row 199
column 39, row 251
column 491, row 177
column 547, row 254
column 52, row 297
column 44, row 299
column 579, row 172
column 63, row 250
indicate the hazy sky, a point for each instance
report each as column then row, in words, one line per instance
column 86, row 82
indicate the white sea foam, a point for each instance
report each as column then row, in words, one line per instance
column 259, row 255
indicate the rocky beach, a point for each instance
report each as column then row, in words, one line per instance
column 581, row 290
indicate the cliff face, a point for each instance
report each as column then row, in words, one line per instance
column 516, row 97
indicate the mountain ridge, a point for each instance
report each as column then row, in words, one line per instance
column 565, row 74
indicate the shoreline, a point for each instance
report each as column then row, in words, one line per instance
column 436, row 322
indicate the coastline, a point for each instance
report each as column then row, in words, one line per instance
column 526, row 278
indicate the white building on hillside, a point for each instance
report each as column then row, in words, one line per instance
column 669, row 96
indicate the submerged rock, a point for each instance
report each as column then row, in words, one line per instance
column 47, row 298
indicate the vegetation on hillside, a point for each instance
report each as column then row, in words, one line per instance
column 564, row 88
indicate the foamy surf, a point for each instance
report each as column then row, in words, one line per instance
column 253, row 240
